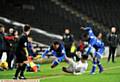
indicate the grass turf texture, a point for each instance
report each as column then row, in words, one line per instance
column 46, row 74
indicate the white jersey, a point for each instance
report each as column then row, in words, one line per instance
column 81, row 67
column 77, row 67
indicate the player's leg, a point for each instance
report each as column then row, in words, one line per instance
column 72, row 66
column 22, row 71
column 99, row 54
column 99, row 66
column 110, row 52
column 19, row 67
column 113, row 54
column 57, row 60
column 23, row 65
column 69, row 69
column 94, row 66
column 55, row 63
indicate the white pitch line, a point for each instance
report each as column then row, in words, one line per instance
column 52, row 77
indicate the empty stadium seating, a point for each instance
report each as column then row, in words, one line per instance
column 46, row 15
column 103, row 11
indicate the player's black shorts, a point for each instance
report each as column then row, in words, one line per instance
column 20, row 57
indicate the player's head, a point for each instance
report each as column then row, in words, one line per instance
column 113, row 29
column 27, row 29
column 67, row 31
column 2, row 28
column 100, row 35
column 56, row 45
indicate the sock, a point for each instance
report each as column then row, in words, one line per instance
column 18, row 71
column 94, row 67
column 100, row 66
column 23, row 70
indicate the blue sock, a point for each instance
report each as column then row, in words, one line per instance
column 94, row 67
column 100, row 66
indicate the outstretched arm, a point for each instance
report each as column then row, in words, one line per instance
column 89, row 30
column 45, row 53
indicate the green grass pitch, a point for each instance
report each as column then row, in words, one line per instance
column 111, row 73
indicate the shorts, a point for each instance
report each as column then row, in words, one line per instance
column 99, row 53
column 20, row 57
column 60, row 59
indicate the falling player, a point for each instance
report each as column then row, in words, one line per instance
column 77, row 68
column 99, row 47
column 58, row 51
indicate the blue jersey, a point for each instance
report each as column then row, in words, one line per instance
column 93, row 40
column 57, row 53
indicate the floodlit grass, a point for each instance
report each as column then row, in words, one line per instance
column 111, row 73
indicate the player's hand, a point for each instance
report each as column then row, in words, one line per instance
column 82, row 28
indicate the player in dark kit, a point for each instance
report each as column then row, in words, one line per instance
column 22, row 53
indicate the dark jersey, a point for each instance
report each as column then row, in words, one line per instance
column 23, row 42
column 20, row 52
column 68, row 40
column 113, row 39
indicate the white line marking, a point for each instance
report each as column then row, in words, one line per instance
column 52, row 77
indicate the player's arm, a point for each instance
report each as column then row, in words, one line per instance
column 63, row 50
column 24, row 43
column 26, row 49
column 92, row 42
column 89, row 30
column 45, row 53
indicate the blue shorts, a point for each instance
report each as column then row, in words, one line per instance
column 61, row 58
column 99, row 53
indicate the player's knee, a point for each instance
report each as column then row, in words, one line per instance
column 55, row 63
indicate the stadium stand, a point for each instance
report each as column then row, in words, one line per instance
column 103, row 11
column 53, row 17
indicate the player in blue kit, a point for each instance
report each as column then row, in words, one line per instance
column 95, row 42
column 58, row 51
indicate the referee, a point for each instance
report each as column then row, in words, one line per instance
column 22, row 53
column 113, row 42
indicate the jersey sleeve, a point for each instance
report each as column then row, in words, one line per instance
column 63, row 50
column 90, row 31
column 23, row 42
column 46, row 52
column 91, row 43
